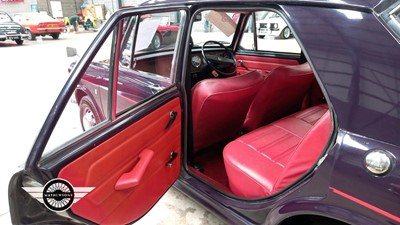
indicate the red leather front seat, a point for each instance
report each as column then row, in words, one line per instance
column 219, row 107
column 280, row 95
column 268, row 159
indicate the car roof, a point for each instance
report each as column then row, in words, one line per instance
column 343, row 3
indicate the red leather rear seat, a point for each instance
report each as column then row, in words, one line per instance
column 271, row 157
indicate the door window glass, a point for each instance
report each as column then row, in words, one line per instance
column 272, row 32
column 88, row 106
column 146, row 62
column 247, row 40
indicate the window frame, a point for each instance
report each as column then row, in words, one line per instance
column 133, row 27
column 83, row 63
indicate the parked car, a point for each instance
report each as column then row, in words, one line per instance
column 39, row 24
column 166, row 34
column 167, row 29
column 273, row 25
column 256, row 132
column 10, row 30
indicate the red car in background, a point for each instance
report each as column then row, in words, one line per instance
column 165, row 35
column 39, row 24
column 167, row 30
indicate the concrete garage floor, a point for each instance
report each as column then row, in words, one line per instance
column 173, row 208
column 32, row 76
column 176, row 208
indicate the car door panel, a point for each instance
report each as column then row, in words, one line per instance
column 264, row 65
column 103, row 166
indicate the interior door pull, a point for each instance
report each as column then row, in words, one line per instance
column 132, row 178
column 172, row 117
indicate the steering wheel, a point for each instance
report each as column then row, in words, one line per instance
column 217, row 62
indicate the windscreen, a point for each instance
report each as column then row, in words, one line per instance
column 214, row 25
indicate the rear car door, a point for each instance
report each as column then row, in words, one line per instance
column 108, row 159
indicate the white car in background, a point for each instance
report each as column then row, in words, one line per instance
column 272, row 24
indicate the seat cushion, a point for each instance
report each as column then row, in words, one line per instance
column 269, row 158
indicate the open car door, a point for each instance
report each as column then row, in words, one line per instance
column 127, row 153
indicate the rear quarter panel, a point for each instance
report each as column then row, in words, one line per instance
column 357, row 63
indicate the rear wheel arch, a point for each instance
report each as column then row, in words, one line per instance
column 79, row 94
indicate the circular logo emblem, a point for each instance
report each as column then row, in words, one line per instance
column 58, row 195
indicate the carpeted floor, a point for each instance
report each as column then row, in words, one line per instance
column 211, row 160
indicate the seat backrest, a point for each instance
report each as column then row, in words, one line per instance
column 219, row 107
column 280, row 95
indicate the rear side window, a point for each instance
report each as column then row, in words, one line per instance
column 270, row 32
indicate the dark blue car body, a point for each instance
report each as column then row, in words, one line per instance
column 355, row 57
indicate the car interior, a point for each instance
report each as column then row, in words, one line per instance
column 225, row 102
column 259, row 122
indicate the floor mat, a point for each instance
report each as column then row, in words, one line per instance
column 211, row 160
